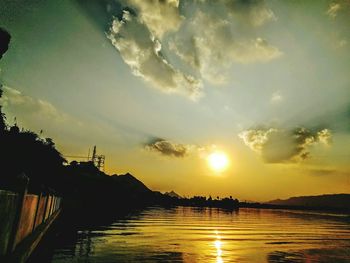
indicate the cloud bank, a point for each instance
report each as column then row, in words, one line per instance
column 280, row 146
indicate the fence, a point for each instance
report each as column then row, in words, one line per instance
column 21, row 214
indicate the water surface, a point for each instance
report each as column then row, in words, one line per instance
column 185, row 234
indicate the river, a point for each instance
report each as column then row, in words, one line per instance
column 185, row 234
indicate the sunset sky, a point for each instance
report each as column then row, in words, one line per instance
column 159, row 86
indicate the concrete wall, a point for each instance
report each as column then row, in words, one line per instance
column 8, row 203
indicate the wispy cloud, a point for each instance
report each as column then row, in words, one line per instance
column 333, row 9
column 256, row 13
column 214, row 39
column 276, row 97
column 18, row 103
column 38, row 114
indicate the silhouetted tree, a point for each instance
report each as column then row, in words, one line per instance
column 4, row 44
column 4, row 41
column 2, row 115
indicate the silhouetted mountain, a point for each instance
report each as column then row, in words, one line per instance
column 172, row 194
column 128, row 181
column 333, row 201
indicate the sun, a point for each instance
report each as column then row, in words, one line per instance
column 218, row 161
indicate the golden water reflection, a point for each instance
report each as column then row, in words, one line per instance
column 218, row 245
column 190, row 235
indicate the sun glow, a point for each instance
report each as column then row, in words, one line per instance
column 218, row 161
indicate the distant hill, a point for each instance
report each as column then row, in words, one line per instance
column 334, row 201
column 129, row 182
column 172, row 194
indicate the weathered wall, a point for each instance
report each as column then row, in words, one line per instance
column 18, row 220
column 41, row 210
column 58, row 201
column 52, row 205
column 26, row 221
column 8, row 206
column 48, row 207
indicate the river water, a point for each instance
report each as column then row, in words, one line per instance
column 185, row 234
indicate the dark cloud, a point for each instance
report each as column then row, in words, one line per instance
column 167, row 148
column 278, row 146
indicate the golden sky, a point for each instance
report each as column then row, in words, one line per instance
column 161, row 86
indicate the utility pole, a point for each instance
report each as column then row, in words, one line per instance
column 98, row 160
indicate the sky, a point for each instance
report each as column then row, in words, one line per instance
column 159, row 86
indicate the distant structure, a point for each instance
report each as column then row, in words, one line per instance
column 98, row 160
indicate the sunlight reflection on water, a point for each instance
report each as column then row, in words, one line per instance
column 186, row 234
column 218, row 245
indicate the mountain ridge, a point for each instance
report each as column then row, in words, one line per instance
column 338, row 201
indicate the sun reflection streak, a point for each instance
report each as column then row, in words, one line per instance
column 218, row 245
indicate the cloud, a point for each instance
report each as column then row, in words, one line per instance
column 324, row 172
column 159, row 16
column 172, row 149
column 279, row 146
column 324, row 136
column 333, row 9
column 18, row 103
column 276, row 97
column 37, row 114
column 176, row 46
column 168, row 148
column 337, row 7
column 143, row 53
column 255, row 139
column 214, row 41
column 256, row 13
